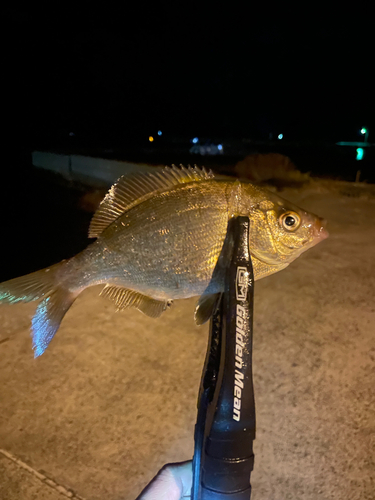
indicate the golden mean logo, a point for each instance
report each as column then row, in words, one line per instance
column 242, row 281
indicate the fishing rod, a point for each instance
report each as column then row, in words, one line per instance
column 225, row 427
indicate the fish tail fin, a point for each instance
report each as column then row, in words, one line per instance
column 56, row 300
column 30, row 287
column 48, row 317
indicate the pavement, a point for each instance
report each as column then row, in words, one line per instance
column 114, row 396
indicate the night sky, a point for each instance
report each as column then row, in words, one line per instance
column 187, row 69
column 114, row 76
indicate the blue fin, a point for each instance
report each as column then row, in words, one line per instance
column 56, row 300
column 48, row 317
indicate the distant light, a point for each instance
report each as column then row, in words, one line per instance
column 280, row 136
column 195, row 140
column 363, row 130
column 159, row 132
column 219, row 147
column 360, row 153
column 72, row 134
column 151, row 139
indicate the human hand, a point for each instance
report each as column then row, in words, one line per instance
column 173, row 482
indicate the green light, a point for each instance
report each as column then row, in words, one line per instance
column 363, row 130
column 360, row 153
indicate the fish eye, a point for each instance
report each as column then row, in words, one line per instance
column 290, row 221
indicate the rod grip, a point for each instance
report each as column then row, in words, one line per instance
column 227, row 457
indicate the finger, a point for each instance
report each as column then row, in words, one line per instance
column 183, row 473
column 173, row 482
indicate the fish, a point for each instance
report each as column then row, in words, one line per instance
column 159, row 236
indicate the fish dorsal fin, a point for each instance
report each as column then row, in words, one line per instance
column 132, row 189
column 123, row 298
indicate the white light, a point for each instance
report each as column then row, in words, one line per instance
column 219, row 147
column 280, row 136
column 159, row 132
column 363, row 130
column 195, row 140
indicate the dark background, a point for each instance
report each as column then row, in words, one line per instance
column 114, row 76
column 110, row 74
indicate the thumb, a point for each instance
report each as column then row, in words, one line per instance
column 173, row 482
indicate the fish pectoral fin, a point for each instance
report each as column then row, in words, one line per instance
column 123, row 298
column 205, row 307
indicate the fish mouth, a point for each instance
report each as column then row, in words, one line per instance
column 319, row 229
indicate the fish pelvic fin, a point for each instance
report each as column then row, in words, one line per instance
column 56, row 300
column 123, row 298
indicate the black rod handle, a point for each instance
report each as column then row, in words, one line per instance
column 226, row 443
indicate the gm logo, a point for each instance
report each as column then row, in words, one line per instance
column 242, row 281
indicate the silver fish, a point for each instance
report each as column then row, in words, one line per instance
column 159, row 237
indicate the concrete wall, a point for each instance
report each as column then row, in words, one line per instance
column 92, row 171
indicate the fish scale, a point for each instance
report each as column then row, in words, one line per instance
column 179, row 236
column 160, row 237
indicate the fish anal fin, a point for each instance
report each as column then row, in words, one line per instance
column 205, row 307
column 132, row 189
column 123, row 298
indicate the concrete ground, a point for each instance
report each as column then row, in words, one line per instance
column 114, row 396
